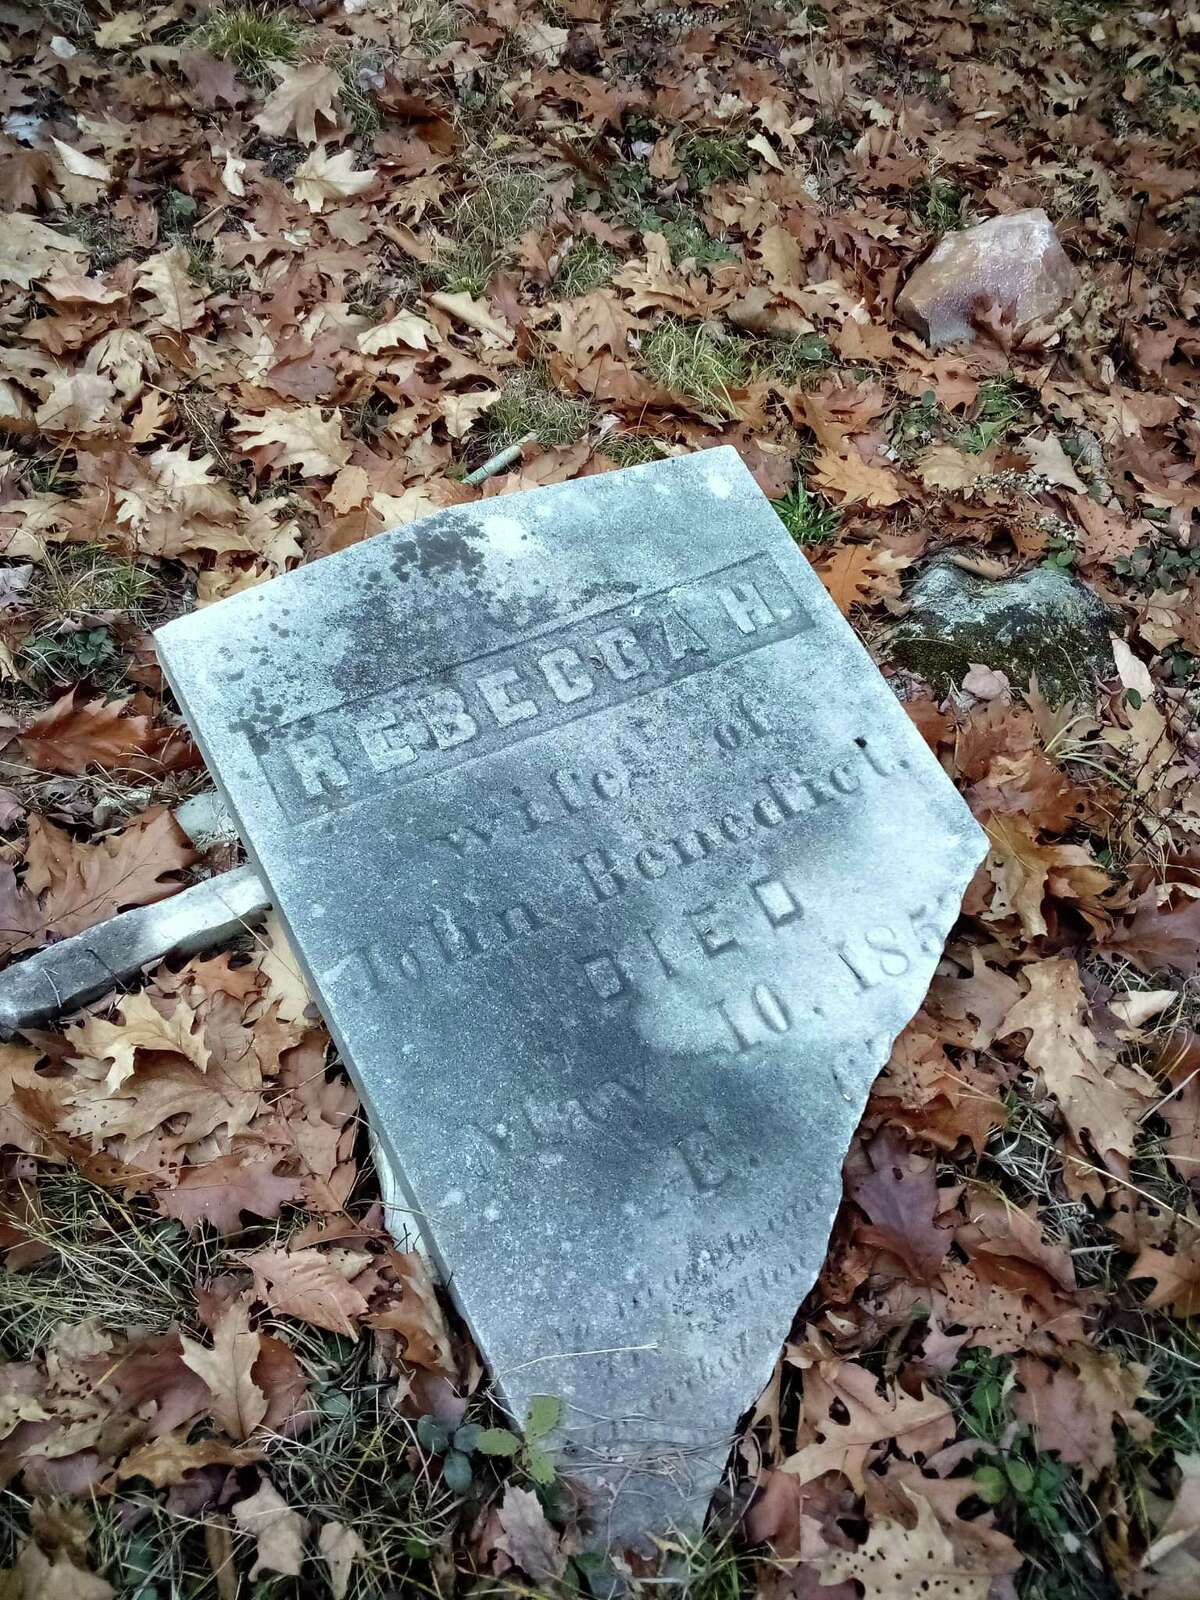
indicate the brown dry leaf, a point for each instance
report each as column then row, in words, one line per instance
column 175, row 301
column 849, row 574
column 303, row 95
column 238, row 1404
column 67, row 737
column 527, row 1537
column 330, row 177
column 834, row 1388
column 944, row 467
column 310, row 1285
column 280, row 967
column 278, row 1530
column 855, row 483
column 340, row 1547
column 1097, row 1095
column 142, row 1027
column 405, row 329
column 81, row 884
column 303, row 436
column 1171, row 1566
column 55, row 1577
column 901, row 1197
column 1177, row 1278
column 1161, row 934
column 899, row 1563
column 1047, row 459
column 80, row 402
column 1075, row 1408
column 29, row 249
column 475, row 314
column 219, row 1190
column 170, row 1457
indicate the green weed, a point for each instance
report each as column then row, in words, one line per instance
column 794, row 360
column 940, row 206
column 915, row 425
column 997, row 407
column 689, row 360
column 809, row 519
column 708, row 158
column 485, row 224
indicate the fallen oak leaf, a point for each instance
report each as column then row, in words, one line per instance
column 304, row 437
column 218, row 1191
column 142, row 1027
column 67, row 737
column 308, row 1284
column 1097, row 1095
column 848, row 575
column 175, row 300
column 81, row 884
column 340, row 1548
column 1176, row 1279
column 474, row 313
column 899, row 1563
column 239, row 1405
column 833, row 1388
column 405, row 328
column 849, row 477
column 1160, row 934
column 527, row 1537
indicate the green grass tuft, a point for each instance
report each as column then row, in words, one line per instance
column 689, row 359
column 251, row 37
column 485, row 224
column 708, row 158
column 528, row 404
column 586, row 265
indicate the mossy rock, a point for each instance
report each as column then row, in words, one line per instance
column 1043, row 623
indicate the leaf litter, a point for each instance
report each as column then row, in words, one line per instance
column 277, row 279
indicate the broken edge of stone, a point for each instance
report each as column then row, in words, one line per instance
column 69, row 974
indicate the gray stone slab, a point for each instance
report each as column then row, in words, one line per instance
column 89, row 964
column 616, row 868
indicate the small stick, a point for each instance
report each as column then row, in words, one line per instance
column 498, row 462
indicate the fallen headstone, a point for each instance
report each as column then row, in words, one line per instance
column 616, row 869
column 1008, row 263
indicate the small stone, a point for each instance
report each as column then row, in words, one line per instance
column 1013, row 260
column 1043, row 623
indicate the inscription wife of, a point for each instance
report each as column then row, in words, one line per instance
column 616, row 868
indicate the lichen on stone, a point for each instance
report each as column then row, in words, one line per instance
column 1043, row 623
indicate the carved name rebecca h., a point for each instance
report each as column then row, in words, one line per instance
column 487, row 703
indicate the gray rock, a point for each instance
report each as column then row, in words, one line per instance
column 1043, row 622
column 204, row 819
column 1014, row 260
column 79, row 969
column 616, row 868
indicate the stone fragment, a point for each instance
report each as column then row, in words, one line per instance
column 1043, row 622
column 79, row 969
column 616, row 868
column 1009, row 261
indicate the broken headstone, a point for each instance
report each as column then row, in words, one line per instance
column 1012, row 262
column 1043, row 623
column 616, row 868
